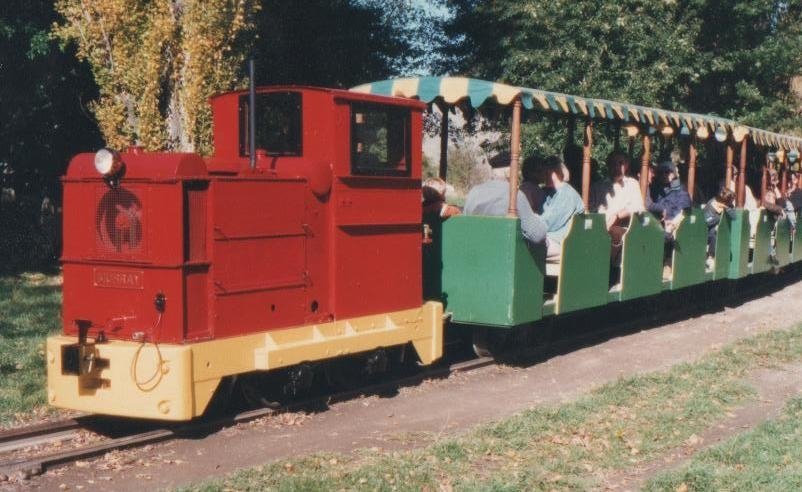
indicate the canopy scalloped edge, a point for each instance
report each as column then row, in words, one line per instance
column 453, row 90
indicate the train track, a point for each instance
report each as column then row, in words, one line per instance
column 33, row 435
column 63, row 430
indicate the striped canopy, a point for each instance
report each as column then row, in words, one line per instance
column 476, row 92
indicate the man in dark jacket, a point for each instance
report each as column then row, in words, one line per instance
column 672, row 199
column 668, row 205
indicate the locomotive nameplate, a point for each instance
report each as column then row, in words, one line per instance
column 118, row 279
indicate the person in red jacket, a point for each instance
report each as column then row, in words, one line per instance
column 434, row 199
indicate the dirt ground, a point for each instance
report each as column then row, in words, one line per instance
column 417, row 415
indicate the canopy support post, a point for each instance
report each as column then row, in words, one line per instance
column 586, row 156
column 515, row 150
column 691, row 166
column 764, row 178
column 730, row 156
column 644, row 165
column 741, row 192
column 443, row 142
column 784, row 176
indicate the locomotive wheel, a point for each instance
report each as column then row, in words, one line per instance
column 254, row 390
column 488, row 342
column 221, row 401
column 345, row 374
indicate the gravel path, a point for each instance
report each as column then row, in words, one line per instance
column 417, row 415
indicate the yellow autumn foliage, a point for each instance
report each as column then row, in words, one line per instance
column 156, row 62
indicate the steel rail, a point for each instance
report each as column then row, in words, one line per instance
column 31, row 435
column 28, row 467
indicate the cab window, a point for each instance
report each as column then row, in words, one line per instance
column 278, row 124
column 380, row 140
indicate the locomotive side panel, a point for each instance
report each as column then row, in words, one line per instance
column 260, row 272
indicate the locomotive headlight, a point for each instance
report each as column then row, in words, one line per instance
column 108, row 163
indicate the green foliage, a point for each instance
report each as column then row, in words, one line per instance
column 734, row 58
column 30, row 307
column 43, row 114
column 339, row 43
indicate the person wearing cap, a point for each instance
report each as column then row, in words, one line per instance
column 672, row 198
column 492, row 198
column 562, row 203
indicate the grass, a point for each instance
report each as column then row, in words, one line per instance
column 567, row 447
column 766, row 458
column 30, row 306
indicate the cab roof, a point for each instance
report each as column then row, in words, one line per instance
column 341, row 94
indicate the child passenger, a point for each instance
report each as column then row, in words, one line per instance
column 713, row 210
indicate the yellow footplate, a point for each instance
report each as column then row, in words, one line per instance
column 176, row 382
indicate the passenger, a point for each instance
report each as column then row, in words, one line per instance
column 672, row 199
column 493, row 196
column 668, row 205
column 562, row 203
column 621, row 200
column 750, row 203
column 722, row 202
column 773, row 200
column 531, row 184
column 794, row 192
column 434, row 200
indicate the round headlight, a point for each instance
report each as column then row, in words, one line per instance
column 108, row 163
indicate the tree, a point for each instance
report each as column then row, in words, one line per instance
column 340, row 43
column 156, row 62
column 755, row 56
column 734, row 58
column 43, row 114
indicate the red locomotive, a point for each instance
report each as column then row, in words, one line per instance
column 181, row 271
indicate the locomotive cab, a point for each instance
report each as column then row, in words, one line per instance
column 180, row 271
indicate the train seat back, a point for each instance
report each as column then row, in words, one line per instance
column 642, row 258
column 490, row 275
column 690, row 250
column 723, row 252
column 762, row 254
column 782, row 241
column 796, row 248
column 740, row 228
column 584, row 265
